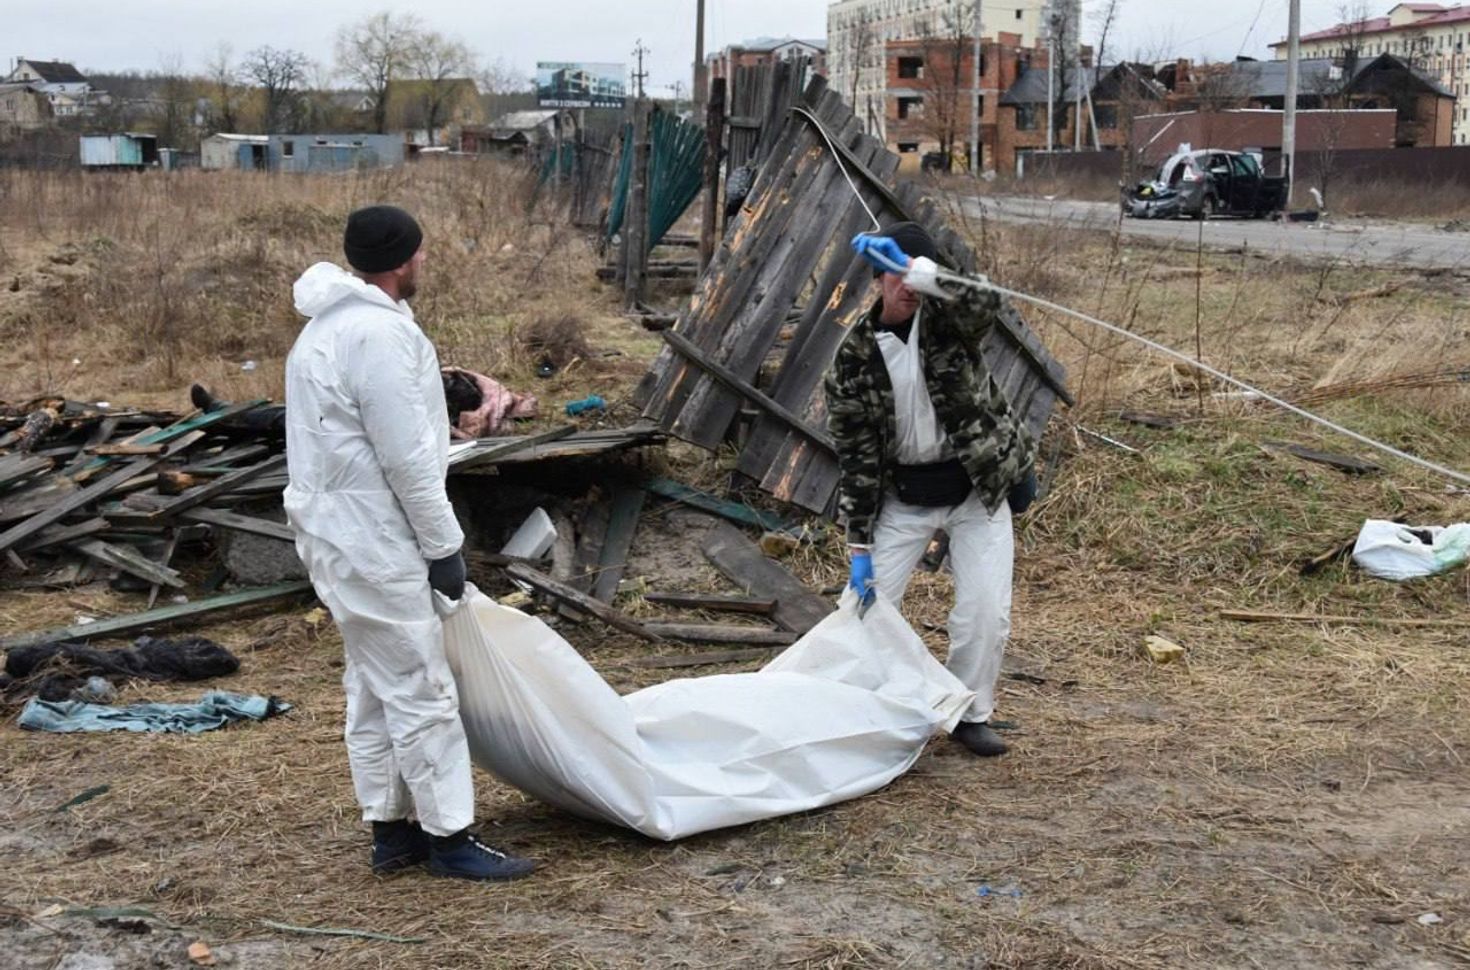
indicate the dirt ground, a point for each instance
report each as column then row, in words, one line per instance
column 1289, row 795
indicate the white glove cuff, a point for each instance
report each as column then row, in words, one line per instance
column 923, row 275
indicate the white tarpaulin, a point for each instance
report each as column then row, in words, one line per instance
column 841, row 713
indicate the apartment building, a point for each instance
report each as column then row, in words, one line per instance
column 1430, row 37
column 858, row 32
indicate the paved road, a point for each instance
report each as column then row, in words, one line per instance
column 1383, row 244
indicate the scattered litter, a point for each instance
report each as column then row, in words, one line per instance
column 50, row 912
column 591, row 402
column 83, row 798
column 82, row 619
column 135, row 926
column 1161, row 651
column 200, row 954
column 249, row 366
column 215, row 709
column 97, row 690
column 985, row 891
column 778, row 544
column 1429, row 919
column 1389, row 550
column 179, row 600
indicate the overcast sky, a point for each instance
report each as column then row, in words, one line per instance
column 145, row 34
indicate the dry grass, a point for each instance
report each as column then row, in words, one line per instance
column 1290, row 796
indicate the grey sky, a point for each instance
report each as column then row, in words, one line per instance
column 144, row 34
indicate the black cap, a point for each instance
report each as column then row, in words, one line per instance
column 912, row 238
column 380, row 238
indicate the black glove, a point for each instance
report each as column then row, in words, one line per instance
column 447, row 576
column 1023, row 493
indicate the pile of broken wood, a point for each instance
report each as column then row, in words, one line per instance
column 91, row 493
column 87, row 490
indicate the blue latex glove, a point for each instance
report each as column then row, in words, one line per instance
column 881, row 251
column 862, row 576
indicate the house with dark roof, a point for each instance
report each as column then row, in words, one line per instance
column 67, row 90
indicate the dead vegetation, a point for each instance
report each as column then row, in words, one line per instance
column 1288, row 796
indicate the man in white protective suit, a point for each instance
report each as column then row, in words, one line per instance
column 367, row 438
column 926, row 440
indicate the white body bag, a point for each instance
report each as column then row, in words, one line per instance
column 841, row 713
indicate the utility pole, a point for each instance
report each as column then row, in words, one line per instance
column 977, row 163
column 640, row 74
column 701, row 78
column 1051, row 84
column 1293, row 60
column 678, row 89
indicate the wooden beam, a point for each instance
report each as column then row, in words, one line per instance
column 741, row 561
column 130, row 561
column 622, row 525
column 734, row 511
column 493, row 452
column 722, row 604
column 721, row 633
column 55, row 535
column 1245, row 616
column 1343, row 463
column 728, row 378
column 566, row 594
column 225, row 483
column 240, row 523
column 170, row 615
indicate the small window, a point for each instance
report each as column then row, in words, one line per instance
column 911, row 67
column 288, row 149
column 910, row 107
column 908, row 147
column 1025, row 117
column 1018, row 15
column 1107, row 115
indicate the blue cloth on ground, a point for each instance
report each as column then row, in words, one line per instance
column 215, row 709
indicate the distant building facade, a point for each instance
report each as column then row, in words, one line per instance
column 858, row 32
column 1431, row 37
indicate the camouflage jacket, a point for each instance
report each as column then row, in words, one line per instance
column 987, row 437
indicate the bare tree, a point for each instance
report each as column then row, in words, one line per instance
column 442, row 67
column 376, row 52
column 1064, row 67
column 172, row 101
column 946, row 85
column 1333, row 91
column 280, row 74
column 857, row 50
column 224, row 87
column 1105, row 16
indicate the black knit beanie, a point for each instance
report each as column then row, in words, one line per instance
column 912, row 238
column 380, row 238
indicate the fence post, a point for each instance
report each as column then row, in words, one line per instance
column 714, row 134
column 635, row 217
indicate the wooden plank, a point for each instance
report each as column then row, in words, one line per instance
column 125, row 449
column 165, row 560
column 722, row 604
column 1343, row 463
column 222, row 463
column 195, row 497
column 721, row 633
column 77, row 499
column 734, row 382
column 566, row 594
column 172, row 615
column 55, row 535
column 741, row 561
column 705, row 502
column 488, row 453
column 129, row 561
column 15, row 467
column 1245, row 616
column 241, row 523
column 705, row 658
column 622, row 525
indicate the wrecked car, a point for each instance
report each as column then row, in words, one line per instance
column 1209, row 182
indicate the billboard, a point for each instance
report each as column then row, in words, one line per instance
column 571, row 84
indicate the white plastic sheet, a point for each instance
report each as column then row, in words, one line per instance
column 1388, row 550
column 841, row 713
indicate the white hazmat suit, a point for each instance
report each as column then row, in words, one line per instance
column 367, row 439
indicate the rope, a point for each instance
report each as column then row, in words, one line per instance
column 982, row 283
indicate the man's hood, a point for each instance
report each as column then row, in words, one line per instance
column 325, row 285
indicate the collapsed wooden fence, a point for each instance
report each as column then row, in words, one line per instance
column 785, row 283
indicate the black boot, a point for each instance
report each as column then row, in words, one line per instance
column 463, row 856
column 398, row 845
column 200, row 397
column 980, row 738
